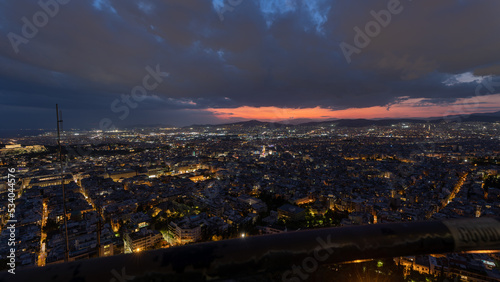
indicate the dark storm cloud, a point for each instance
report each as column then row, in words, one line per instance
column 492, row 70
column 264, row 53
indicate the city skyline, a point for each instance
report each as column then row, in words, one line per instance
column 168, row 189
column 250, row 140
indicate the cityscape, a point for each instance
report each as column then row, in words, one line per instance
column 134, row 190
column 249, row 140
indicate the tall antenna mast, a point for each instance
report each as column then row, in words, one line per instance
column 99, row 231
column 59, row 121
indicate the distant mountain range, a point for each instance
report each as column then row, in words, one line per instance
column 146, row 126
column 486, row 117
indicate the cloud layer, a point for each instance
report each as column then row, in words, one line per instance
column 231, row 54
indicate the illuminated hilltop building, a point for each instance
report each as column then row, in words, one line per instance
column 265, row 153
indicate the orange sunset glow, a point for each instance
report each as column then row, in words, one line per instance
column 409, row 108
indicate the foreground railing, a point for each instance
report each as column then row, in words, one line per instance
column 293, row 253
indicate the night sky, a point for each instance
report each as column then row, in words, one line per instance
column 232, row 60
